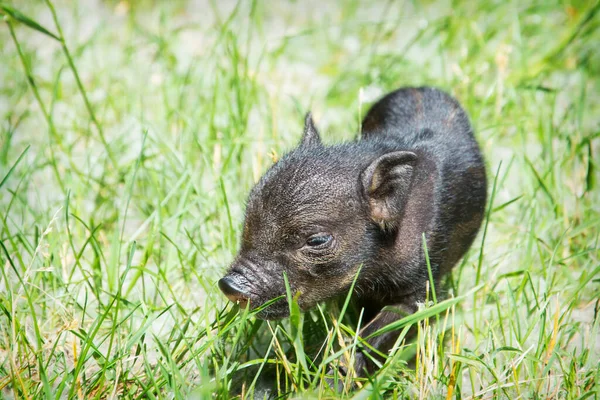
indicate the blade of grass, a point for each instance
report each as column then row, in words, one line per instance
column 19, row 16
column 14, row 166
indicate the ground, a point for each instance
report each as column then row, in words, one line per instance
column 132, row 131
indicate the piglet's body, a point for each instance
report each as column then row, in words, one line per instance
column 321, row 212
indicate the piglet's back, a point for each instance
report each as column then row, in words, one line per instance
column 415, row 115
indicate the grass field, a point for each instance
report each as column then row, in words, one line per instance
column 132, row 131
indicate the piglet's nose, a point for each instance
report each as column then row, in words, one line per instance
column 233, row 292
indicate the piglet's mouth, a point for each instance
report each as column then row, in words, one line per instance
column 234, row 293
column 235, row 287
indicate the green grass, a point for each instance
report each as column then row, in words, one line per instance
column 131, row 133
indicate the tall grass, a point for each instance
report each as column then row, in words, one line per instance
column 131, row 132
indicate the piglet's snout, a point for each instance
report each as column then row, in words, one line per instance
column 233, row 292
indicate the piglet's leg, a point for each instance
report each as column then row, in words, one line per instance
column 363, row 364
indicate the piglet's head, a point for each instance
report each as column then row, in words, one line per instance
column 316, row 216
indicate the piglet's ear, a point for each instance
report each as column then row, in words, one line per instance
column 311, row 135
column 386, row 185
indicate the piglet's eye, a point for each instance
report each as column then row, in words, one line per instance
column 320, row 240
